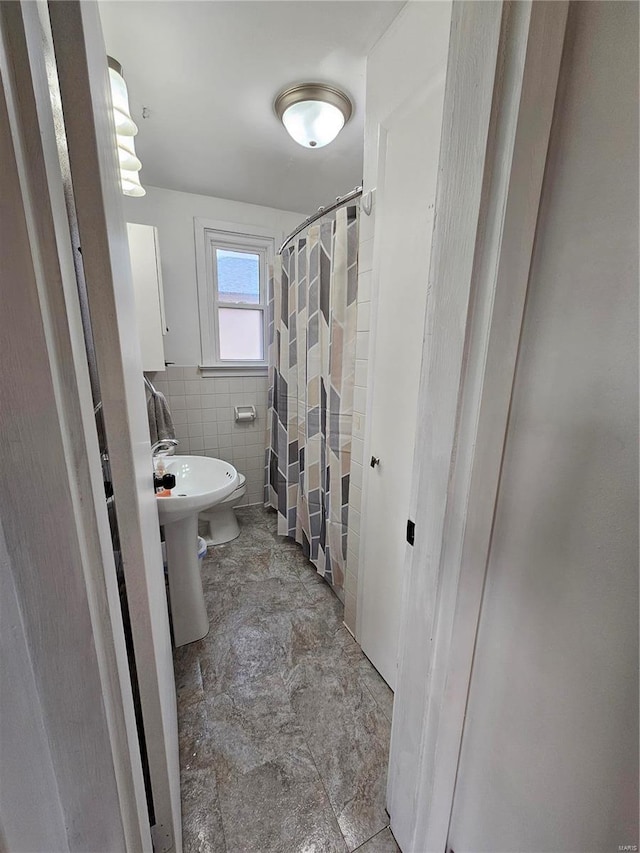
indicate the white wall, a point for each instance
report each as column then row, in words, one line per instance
column 401, row 61
column 173, row 214
column 550, row 750
column 202, row 409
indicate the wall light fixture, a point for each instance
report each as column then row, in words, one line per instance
column 126, row 129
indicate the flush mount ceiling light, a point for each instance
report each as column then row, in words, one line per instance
column 313, row 113
column 126, row 129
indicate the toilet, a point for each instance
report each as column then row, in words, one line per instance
column 221, row 518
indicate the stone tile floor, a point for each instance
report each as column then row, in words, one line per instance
column 284, row 724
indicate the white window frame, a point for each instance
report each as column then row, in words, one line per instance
column 210, row 235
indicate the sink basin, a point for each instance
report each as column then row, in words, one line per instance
column 201, row 482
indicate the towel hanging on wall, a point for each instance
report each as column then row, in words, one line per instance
column 160, row 421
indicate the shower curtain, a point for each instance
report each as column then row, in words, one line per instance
column 312, row 351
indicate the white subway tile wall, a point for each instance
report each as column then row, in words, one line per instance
column 204, row 419
column 365, row 267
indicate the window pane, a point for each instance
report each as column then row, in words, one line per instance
column 240, row 334
column 238, row 276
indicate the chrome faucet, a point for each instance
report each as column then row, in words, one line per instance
column 164, row 447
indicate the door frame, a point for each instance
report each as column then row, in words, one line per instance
column 56, row 53
column 502, row 78
column 85, row 95
column 86, row 579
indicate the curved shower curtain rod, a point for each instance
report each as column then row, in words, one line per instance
column 322, row 211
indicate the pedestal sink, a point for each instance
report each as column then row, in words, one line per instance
column 201, row 483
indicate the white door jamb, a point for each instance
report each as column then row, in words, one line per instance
column 22, row 69
column 89, row 129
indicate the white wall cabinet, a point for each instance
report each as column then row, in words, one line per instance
column 147, row 284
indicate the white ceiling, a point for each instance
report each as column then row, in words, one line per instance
column 208, row 73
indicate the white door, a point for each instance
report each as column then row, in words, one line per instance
column 102, row 235
column 408, row 152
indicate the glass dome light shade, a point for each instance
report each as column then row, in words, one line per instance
column 127, row 154
column 125, row 125
column 131, row 183
column 313, row 113
column 313, row 124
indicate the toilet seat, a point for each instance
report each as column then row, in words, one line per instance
column 238, row 492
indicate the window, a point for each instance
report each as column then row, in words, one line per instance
column 232, row 296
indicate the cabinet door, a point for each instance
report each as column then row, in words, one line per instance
column 147, row 284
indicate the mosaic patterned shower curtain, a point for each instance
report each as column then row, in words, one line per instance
column 312, row 352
